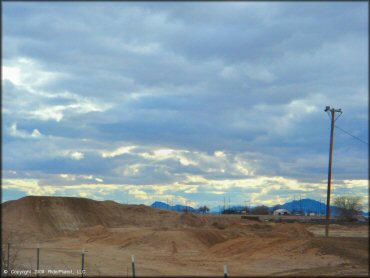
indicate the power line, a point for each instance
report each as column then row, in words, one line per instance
column 353, row 136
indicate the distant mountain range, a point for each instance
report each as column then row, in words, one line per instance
column 161, row 205
column 296, row 206
column 307, row 206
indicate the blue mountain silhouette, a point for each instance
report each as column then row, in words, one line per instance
column 296, row 206
column 161, row 205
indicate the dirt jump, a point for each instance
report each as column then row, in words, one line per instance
column 166, row 243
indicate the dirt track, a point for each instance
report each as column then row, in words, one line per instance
column 169, row 243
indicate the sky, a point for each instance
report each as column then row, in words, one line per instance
column 185, row 103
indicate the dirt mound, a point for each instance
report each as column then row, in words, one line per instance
column 176, row 241
column 351, row 248
column 170, row 243
column 294, row 230
column 219, row 225
column 262, row 240
column 191, row 220
column 42, row 218
column 38, row 217
column 223, row 221
column 256, row 247
column 93, row 234
column 93, row 231
column 209, row 237
column 260, row 227
column 233, row 247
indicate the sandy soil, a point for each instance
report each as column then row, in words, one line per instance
column 344, row 230
column 169, row 243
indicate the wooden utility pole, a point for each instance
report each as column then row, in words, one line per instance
column 332, row 118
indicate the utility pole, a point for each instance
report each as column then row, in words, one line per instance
column 247, row 206
column 332, row 119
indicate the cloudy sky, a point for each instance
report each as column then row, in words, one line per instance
column 184, row 102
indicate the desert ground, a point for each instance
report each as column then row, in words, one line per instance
column 167, row 243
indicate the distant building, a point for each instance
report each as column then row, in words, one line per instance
column 281, row 212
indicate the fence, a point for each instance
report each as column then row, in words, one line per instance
column 42, row 261
column 33, row 261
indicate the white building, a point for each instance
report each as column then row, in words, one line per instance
column 281, row 212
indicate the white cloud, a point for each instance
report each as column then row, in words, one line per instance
column 29, row 186
column 36, row 133
column 259, row 190
column 77, row 155
column 118, row 152
column 132, row 170
column 27, row 73
column 14, row 131
column 356, row 183
column 12, row 74
column 33, row 82
column 138, row 194
column 219, row 154
column 49, row 113
column 57, row 112
column 68, row 177
column 183, row 156
column 243, row 70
